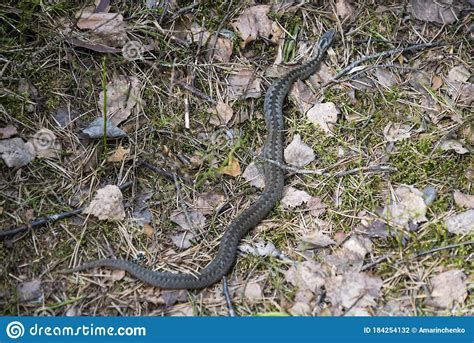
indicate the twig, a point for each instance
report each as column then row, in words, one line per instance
column 228, row 300
column 347, row 69
column 196, row 92
column 163, row 172
column 373, row 168
column 37, row 223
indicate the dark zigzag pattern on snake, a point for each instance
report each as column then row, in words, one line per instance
column 248, row 219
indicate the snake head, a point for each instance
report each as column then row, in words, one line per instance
column 326, row 39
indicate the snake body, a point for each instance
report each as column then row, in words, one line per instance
column 248, row 219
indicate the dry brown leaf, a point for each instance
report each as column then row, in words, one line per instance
column 302, row 96
column 182, row 310
column 220, row 49
column 254, row 22
column 344, row 9
column 107, row 204
column 122, row 97
column 106, row 28
column 232, row 168
column 148, row 230
column 318, row 239
column 449, row 287
column 298, row 153
column 293, row 197
column 244, row 83
column 307, row 275
column 254, row 175
column 253, row 291
column 385, row 77
column 196, row 220
column 436, row 82
column 118, row 155
column 183, row 240
column 408, row 206
column 463, row 200
column 316, row 206
column 117, row 274
column 461, row 224
column 7, row 132
column 16, row 153
column 455, row 145
column 208, row 202
column 324, row 115
column 442, row 12
column 395, row 132
column 29, row 291
column 221, row 114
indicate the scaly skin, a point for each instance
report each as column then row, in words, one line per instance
column 248, row 219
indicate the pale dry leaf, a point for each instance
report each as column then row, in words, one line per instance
column 353, row 289
column 458, row 74
column 183, row 240
column 344, row 9
column 118, row 155
column 324, row 115
column 253, row 291
column 302, row 96
column 182, row 310
column 107, row 204
column 316, row 206
column 16, row 153
column 455, row 145
column 442, row 12
column 208, row 202
column 359, row 245
column 344, row 260
column 254, row 22
column 307, row 275
column 300, row 309
column 117, row 274
column 254, row 175
column 385, row 77
column 95, row 129
column 123, row 94
column 221, row 114
column 220, row 49
column 394, row 132
column 321, row 76
column 318, row 239
column 244, row 83
column 260, row 248
column 298, row 153
column 45, row 144
column 7, row 132
column 461, row 224
column 232, row 168
column 293, row 197
column 449, row 287
column 30, row 291
column 463, row 200
column 193, row 220
column 198, row 34
column 148, row 230
column 436, row 82
column 409, row 207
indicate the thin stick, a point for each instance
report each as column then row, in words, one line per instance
column 228, row 300
column 196, row 92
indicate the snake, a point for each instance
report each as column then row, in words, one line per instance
column 272, row 193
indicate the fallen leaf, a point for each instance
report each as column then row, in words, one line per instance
column 45, row 144
column 196, row 220
column 453, row 144
column 232, row 168
column 148, row 230
column 395, row 132
column 260, row 248
column 95, row 129
column 409, row 206
column 344, row 9
column 254, row 22
column 442, row 12
column 208, row 202
column 7, row 132
column 461, row 224
column 463, row 200
column 385, row 77
column 458, row 74
column 117, row 274
column 118, row 155
column 107, row 204
column 254, row 175
column 359, row 245
column 302, row 96
column 16, row 153
column 344, row 260
column 293, row 197
column 307, row 275
column 316, row 206
column 108, row 28
column 353, row 290
column 244, row 83
column 198, row 34
column 26, row 88
column 220, row 49
column 182, row 240
column 122, row 97
column 298, row 153
column 449, row 287
column 253, row 291
column 30, row 291
column 221, row 114
column 436, row 82
column 171, row 297
column 182, row 310
column 324, row 115
column 429, row 195
column 321, row 76
column 318, row 239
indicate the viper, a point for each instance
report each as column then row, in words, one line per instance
column 248, row 219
